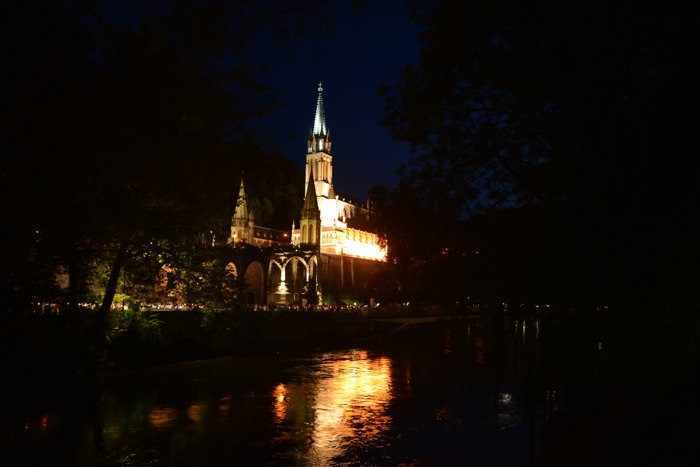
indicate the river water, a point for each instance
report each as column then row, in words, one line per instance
column 465, row 392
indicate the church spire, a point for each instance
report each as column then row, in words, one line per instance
column 243, row 221
column 319, row 136
column 241, row 204
column 320, row 117
column 310, row 208
column 310, row 222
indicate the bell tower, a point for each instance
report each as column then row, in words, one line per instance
column 319, row 162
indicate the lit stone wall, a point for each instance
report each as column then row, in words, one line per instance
column 341, row 240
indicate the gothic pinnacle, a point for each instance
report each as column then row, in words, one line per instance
column 320, row 117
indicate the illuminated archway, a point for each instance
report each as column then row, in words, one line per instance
column 277, row 282
column 291, row 276
column 296, row 273
column 312, row 284
column 313, row 268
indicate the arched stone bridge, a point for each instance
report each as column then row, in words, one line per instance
column 274, row 276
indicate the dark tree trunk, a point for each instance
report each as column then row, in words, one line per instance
column 110, row 290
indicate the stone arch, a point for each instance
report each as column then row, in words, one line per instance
column 255, row 279
column 313, row 267
column 312, row 285
column 299, row 259
column 277, row 281
column 296, row 278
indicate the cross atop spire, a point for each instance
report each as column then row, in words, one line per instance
column 319, row 140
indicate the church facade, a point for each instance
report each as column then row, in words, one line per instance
column 330, row 248
column 336, row 237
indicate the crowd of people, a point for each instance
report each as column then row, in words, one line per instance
column 391, row 308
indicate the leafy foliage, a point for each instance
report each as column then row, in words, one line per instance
column 128, row 133
column 209, row 284
column 548, row 126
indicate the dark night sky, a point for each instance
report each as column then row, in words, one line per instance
column 365, row 48
column 360, row 53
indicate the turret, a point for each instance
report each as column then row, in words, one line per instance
column 241, row 212
column 243, row 221
column 310, row 222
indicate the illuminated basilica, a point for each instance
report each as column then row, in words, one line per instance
column 336, row 236
column 335, row 228
column 330, row 249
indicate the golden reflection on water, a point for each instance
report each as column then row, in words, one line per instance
column 44, row 422
column 350, row 405
column 280, row 402
column 194, row 412
column 162, row 417
column 225, row 405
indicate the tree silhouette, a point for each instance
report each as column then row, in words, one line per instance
column 128, row 135
column 573, row 111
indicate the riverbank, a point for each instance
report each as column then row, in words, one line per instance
column 228, row 333
column 41, row 345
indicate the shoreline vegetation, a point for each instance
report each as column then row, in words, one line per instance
column 52, row 342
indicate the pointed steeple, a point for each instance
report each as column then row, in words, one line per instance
column 320, row 117
column 241, row 204
column 310, row 222
column 310, row 207
column 319, row 136
column 243, row 221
